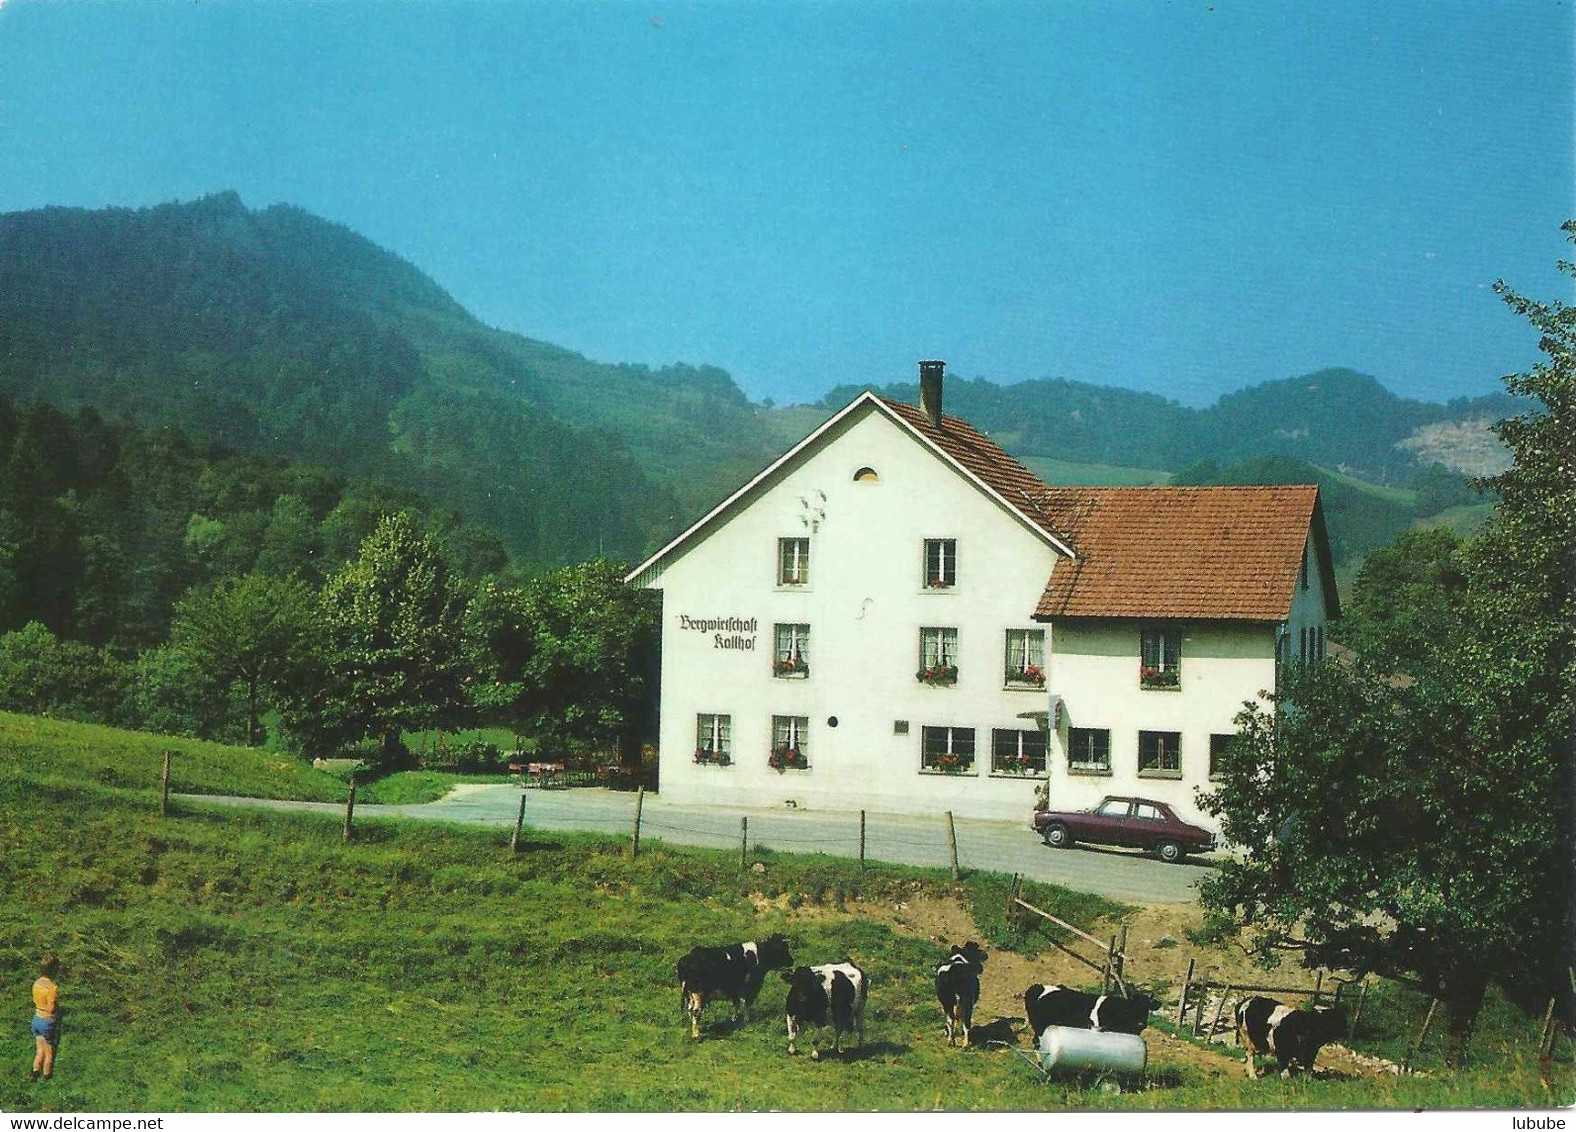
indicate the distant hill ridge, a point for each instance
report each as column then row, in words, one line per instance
column 277, row 332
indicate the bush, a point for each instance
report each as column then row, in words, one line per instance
column 43, row 675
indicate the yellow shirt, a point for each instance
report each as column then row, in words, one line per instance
column 45, row 995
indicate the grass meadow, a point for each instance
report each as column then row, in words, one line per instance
column 233, row 960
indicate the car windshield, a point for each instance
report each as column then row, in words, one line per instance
column 1112, row 808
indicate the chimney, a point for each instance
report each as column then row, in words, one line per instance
column 930, row 375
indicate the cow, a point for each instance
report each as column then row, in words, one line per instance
column 1062, row 1006
column 813, row 991
column 1293, row 1037
column 958, row 988
column 734, row 973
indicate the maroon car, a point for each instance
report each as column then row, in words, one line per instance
column 1141, row 823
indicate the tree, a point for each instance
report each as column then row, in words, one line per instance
column 570, row 658
column 1409, row 813
column 390, row 658
column 247, row 629
column 1407, row 597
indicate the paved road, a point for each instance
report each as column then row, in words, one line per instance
column 1007, row 847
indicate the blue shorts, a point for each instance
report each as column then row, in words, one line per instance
column 46, row 1028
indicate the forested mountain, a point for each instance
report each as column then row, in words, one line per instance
column 1336, row 418
column 277, row 333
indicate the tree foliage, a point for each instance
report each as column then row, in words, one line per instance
column 1410, row 812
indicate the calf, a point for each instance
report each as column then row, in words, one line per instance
column 958, row 988
column 812, row 991
column 1061, row 1006
column 734, row 973
column 1293, row 1037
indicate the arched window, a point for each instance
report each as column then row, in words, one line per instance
column 866, row 475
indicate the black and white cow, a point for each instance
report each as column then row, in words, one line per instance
column 1061, row 1006
column 813, row 992
column 958, row 988
column 734, row 973
column 1292, row 1037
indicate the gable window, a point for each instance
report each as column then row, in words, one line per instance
column 793, row 561
column 1218, row 745
column 1088, row 750
column 1017, row 752
column 791, row 651
column 947, row 750
column 1025, row 664
column 1160, row 754
column 941, row 563
column 867, row 475
column 790, row 743
column 714, row 740
column 1160, row 659
column 938, row 656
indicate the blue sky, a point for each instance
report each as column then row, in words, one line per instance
column 1179, row 197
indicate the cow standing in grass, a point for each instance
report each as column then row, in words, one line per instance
column 958, row 988
column 1062, row 1006
column 734, row 972
column 837, row 989
column 1292, row 1037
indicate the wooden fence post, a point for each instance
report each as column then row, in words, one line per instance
column 1187, row 981
column 1198, row 1011
column 744, row 841
column 1362, row 997
column 1318, row 984
column 1422, row 1036
column 952, row 843
column 1121, row 954
column 634, row 841
column 1105, row 975
column 350, row 813
column 514, row 842
column 164, row 788
column 861, row 841
column 1214, row 1027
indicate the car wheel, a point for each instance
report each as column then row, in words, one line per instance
column 1057, row 837
column 1169, row 852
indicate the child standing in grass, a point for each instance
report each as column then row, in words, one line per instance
column 46, row 1017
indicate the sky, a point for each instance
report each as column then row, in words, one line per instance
column 1183, row 198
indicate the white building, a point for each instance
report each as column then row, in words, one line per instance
column 897, row 616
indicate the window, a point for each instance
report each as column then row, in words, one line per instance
column 1302, row 570
column 1025, row 662
column 1217, row 753
column 791, row 651
column 1113, row 808
column 790, row 745
column 938, row 656
column 941, row 563
column 1160, row 754
column 1302, row 646
column 1146, row 812
column 1017, row 752
column 793, row 561
column 1318, row 642
column 1160, row 658
column 866, row 475
column 714, row 740
column 1088, row 750
column 948, row 750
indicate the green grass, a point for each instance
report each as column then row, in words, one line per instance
column 1068, row 472
column 236, row 960
column 1463, row 520
column 1402, row 496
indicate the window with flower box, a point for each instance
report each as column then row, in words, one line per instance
column 1025, row 661
column 938, row 657
column 714, row 740
column 793, row 562
column 791, row 651
column 1088, row 750
column 941, row 563
column 790, row 746
column 1160, row 754
column 1017, row 753
column 947, row 750
column 1160, row 659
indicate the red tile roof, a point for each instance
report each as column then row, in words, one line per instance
column 1194, row 553
column 985, row 458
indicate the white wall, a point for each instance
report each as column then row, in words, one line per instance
column 1095, row 671
column 865, row 604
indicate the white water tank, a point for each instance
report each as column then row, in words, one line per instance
column 1063, row 1047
